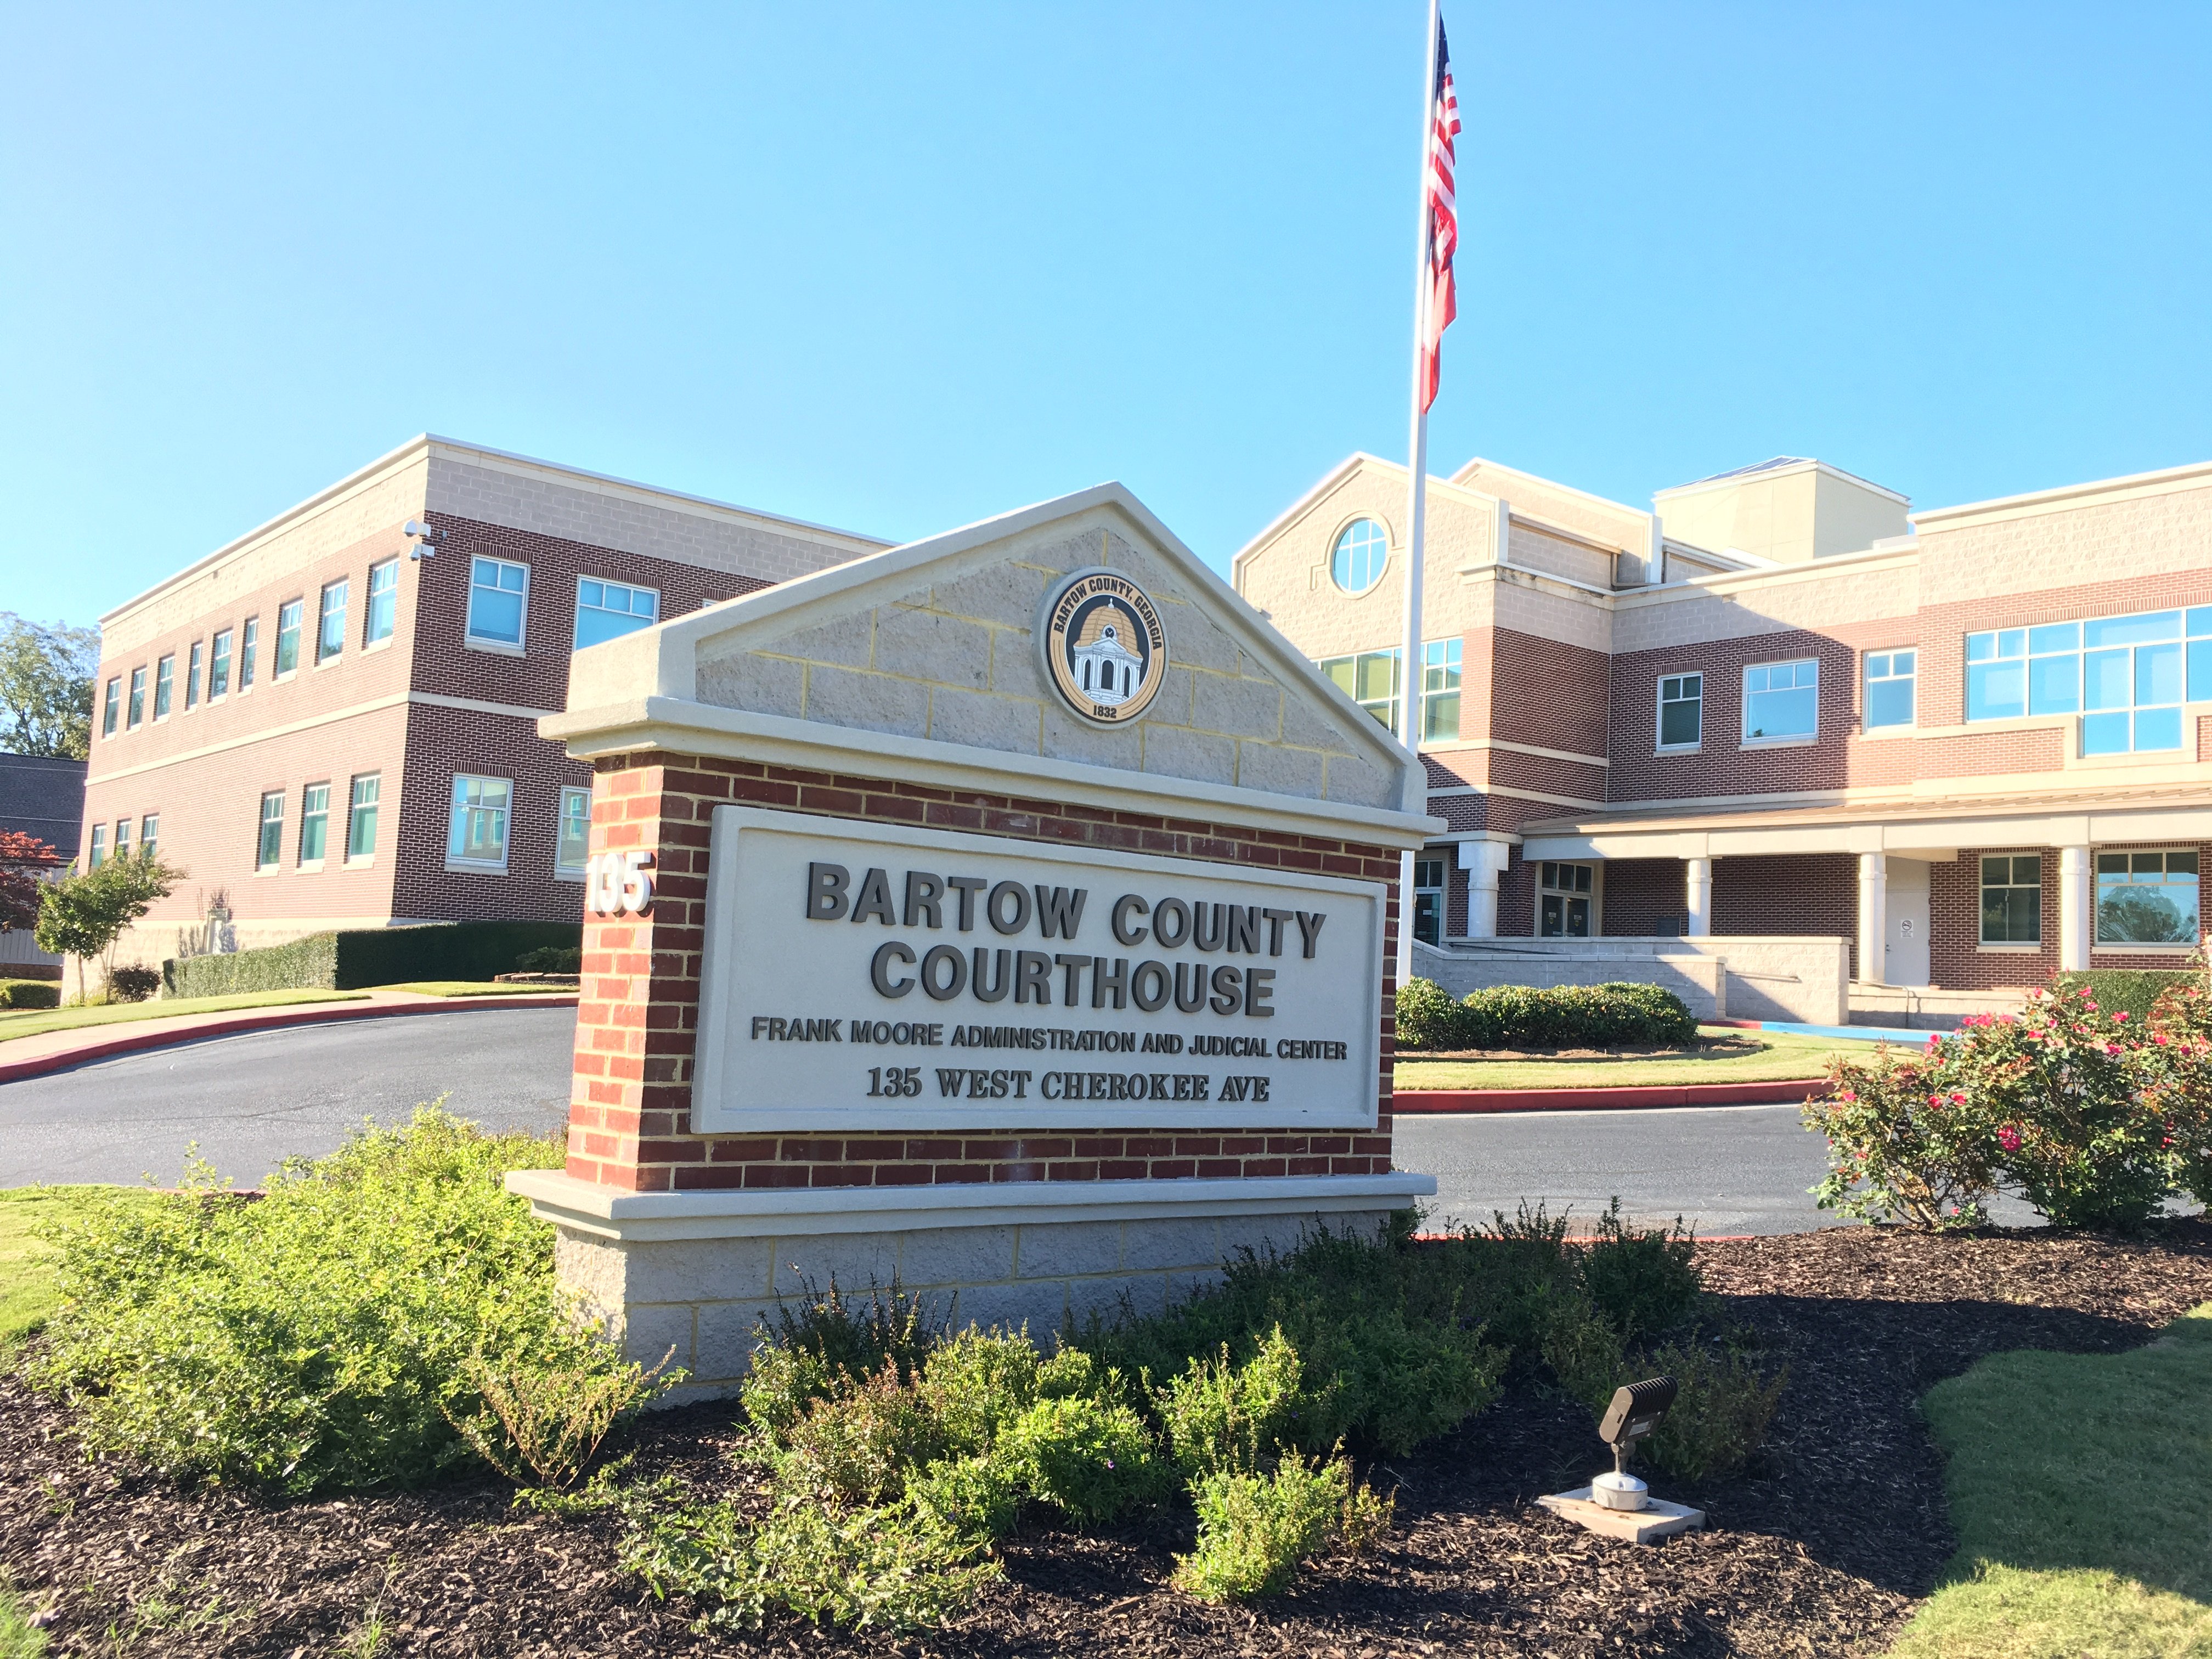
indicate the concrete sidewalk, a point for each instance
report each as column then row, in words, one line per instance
column 57, row 1051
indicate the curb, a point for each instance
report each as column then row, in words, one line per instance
column 222, row 1025
column 1787, row 1091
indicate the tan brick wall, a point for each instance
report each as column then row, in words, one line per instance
column 637, row 1018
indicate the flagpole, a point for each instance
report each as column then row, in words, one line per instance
column 1409, row 659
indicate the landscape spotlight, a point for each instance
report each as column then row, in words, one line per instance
column 1635, row 1412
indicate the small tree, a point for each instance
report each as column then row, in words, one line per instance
column 22, row 860
column 84, row 915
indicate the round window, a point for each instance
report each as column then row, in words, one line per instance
column 1355, row 564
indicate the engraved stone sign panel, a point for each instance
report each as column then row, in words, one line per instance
column 864, row 977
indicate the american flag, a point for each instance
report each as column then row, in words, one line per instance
column 1443, row 222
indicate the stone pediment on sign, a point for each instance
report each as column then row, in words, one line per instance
column 1148, row 665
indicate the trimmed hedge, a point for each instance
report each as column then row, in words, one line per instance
column 30, row 994
column 2130, row 991
column 1542, row 1017
column 360, row 956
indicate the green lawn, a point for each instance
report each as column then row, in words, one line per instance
column 2081, row 1490
column 37, row 1022
column 1750, row 1057
column 26, row 1279
column 479, row 987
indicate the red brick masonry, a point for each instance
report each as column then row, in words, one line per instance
column 637, row 1018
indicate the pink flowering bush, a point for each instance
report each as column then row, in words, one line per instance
column 2095, row 1118
column 1906, row 1141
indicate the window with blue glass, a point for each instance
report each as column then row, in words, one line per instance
column 606, row 610
column 1889, row 678
column 1781, row 702
column 1356, row 559
column 2126, row 677
column 2147, row 898
column 499, row 600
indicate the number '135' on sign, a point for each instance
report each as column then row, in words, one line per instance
column 618, row 883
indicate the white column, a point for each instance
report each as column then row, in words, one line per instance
column 1874, row 917
column 1484, row 862
column 2077, row 895
column 1697, row 894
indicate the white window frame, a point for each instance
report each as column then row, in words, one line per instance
column 165, row 686
column 277, row 672
column 374, row 641
column 342, row 586
column 1896, row 728
column 454, row 861
column 473, row 641
column 572, row 872
column 576, row 622
column 95, row 854
column 2018, row 946
column 1659, row 713
column 261, row 823
column 354, row 808
column 149, row 834
column 299, row 858
column 195, row 656
column 1444, row 658
column 1793, row 740
column 222, row 647
column 1336, row 541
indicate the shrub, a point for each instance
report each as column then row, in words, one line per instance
column 552, row 959
column 976, row 1382
column 321, row 1338
column 354, row 957
column 132, row 984
column 1093, row 1459
column 856, row 1445
column 1721, row 1411
column 1910, row 1140
column 29, row 994
column 1389, row 1354
column 1642, row 1281
column 898, row 1568
column 1585, row 1352
column 1224, row 1416
column 2133, row 992
column 542, row 1420
column 974, row 1497
column 1560, row 1015
column 1254, row 1530
column 2181, row 1023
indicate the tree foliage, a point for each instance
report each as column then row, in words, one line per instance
column 83, row 915
column 46, row 687
column 22, row 860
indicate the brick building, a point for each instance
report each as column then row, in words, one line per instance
column 332, row 720
column 1974, row 743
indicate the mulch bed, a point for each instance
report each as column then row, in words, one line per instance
column 1821, row 1548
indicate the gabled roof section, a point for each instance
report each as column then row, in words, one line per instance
column 922, row 662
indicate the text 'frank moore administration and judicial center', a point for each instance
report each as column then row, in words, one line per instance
column 1775, row 743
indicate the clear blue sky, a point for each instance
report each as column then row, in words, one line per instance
column 894, row 268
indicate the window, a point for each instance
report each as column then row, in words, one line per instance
column 1440, row 664
column 1429, row 900
column 1563, row 901
column 1370, row 679
column 2012, row 898
column 288, row 638
column 1889, row 688
column 361, row 815
column 2126, row 677
column 246, row 648
column 165, row 684
column 330, row 625
column 123, row 838
column 98, row 855
column 137, row 698
column 149, row 834
column 1681, row 711
column 1781, row 702
column 271, row 850
column 113, row 706
column 606, row 610
column 574, row 848
column 2147, row 898
column 219, row 667
column 498, row 597
column 478, row 835
column 383, row 602
column 314, row 823
column 1356, row 562
column 192, row 678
